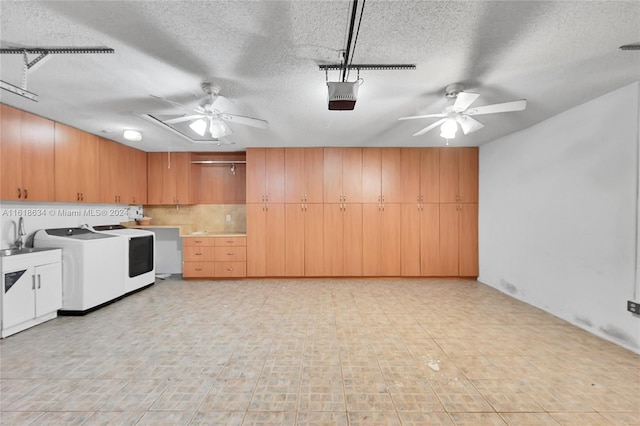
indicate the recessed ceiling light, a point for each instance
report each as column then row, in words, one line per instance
column 132, row 135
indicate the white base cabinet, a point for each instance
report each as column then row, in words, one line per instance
column 31, row 289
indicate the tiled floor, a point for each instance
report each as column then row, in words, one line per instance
column 334, row 352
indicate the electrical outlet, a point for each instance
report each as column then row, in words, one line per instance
column 228, row 218
column 633, row 307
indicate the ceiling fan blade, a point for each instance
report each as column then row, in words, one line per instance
column 503, row 107
column 430, row 127
column 183, row 119
column 247, row 121
column 464, row 100
column 413, row 117
column 468, row 124
column 222, row 104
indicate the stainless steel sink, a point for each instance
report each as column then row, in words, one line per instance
column 24, row 250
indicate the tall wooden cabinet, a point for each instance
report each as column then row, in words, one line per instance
column 304, row 239
column 343, row 239
column 168, row 180
column 265, row 175
column 304, row 175
column 77, row 170
column 381, row 239
column 26, row 156
column 342, row 175
column 265, row 240
column 459, row 175
column 381, row 175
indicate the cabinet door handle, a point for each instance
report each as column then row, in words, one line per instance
column 198, row 269
column 230, row 269
column 33, row 282
column 26, row 193
column 19, row 193
column 198, row 254
column 229, row 254
column 39, row 281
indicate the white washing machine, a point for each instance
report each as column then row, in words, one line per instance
column 138, row 256
column 92, row 267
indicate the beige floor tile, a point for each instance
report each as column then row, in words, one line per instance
column 317, row 351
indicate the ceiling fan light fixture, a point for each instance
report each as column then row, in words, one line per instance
column 199, row 126
column 132, row 135
column 449, row 129
column 217, row 128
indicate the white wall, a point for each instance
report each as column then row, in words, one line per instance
column 57, row 215
column 558, row 215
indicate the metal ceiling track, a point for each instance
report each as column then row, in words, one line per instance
column 375, row 67
column 42, row 53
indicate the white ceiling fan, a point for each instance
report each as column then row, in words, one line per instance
column 459, row 112
column 210, row 116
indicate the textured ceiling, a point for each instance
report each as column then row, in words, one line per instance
column 264, row 55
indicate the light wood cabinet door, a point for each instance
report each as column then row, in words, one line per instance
column 265, row 175
column 115, row 183
column 352, row 175
column 459, row 175
column 449, row 239
column 332, row 175
column 138, row 176
column 294, row 240
column 10, row 153
column 37, row 158
column 371, row 176
column 391, row 175
column 381, row 251
column 175, row 178
column 266, row 240
column 410, row 239
column 430, row 175
column 353, row 239
column 76, row 159
column 155, row 164
column 304, row 175
column 468, row 175
column 333, row 237
column 468, row 240
column 429, row 239
column 449, row 175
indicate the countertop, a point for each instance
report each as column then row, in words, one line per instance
column 186, row 231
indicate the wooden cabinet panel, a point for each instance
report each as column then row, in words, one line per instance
column 391, row 173
column 26, row 156
column 410, row 174
column 352, row 175
column 448, row 175
column 410, row 239
column 218, row 183
column 138, row 177
column 430, row 239
column 37, row 158
column 10, row 153
column 265, row 240
column 230, row 269
column 313, row 240
column 294, row 240
column 304, row 175
column 381, row 241
column 430, row 175
column 199, row 241
column 114, row 180
column 449, row 235
column 265, row 175
column 200, row 254
column 230, row 241
column 371, row 176
column 332, row 175
column 155, row 161
column 168, row 180
column 468, row 240
column 230, row 254
column 333, row 237
column 198, row 269
column 76, row 165
column 459, row 175
column 468, row 175
column 352, row 230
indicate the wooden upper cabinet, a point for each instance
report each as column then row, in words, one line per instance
column 26, row 156
column 138, row 175
column 459, row 175
column 342, row 175
column 304, row 175
column 77, row 170
column 381, row 175
column 218, row 178
column 168, row 178
column 265, row 175
column 420, row 175
column 114, row 162
column 155, row 164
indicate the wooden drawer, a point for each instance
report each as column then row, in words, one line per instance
column 198, row 254
column 230, row 254
column 230, row 241
column 198, row 269
column 198, row 242
column 230, row 269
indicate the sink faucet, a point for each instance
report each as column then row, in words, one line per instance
column 21, row 233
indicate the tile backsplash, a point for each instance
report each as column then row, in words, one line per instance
column 201, row 217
